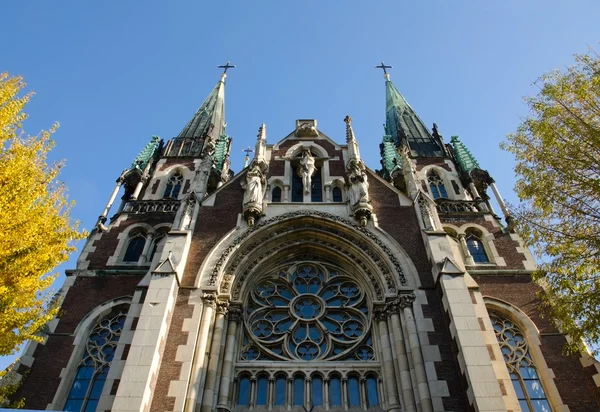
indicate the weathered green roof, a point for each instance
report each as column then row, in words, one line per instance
column 390, row 158
column 403, row 124
column 147, row 154
column 221, row 150
column 210, row 116
column 463, row 156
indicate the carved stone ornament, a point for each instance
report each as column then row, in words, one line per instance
column 403, row 301
column 254, row 185
column 222, row 307
column 358, row 191
column 362, row 245
column 209, row 299
column 235, row 313
column 306, row 130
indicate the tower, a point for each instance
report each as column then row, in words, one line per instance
column 307, row 281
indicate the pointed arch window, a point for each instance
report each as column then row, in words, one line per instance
column 477, row 249
column 436, row 185
column 522, row 370
column 93, row 368
column 336, row 193
column 135, row 246
column 276, row 195
column 173, row 186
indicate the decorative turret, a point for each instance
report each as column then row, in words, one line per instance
column 356, row 179
column 463, row 156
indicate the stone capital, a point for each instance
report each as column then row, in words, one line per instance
column 235, row 313
column 209, row 299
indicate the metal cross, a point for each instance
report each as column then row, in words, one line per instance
column 384, row 67
column 227, row 66
column 248, row 151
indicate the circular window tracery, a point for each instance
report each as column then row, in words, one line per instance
column 308, row 312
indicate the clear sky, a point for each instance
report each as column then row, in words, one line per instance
column 114, row 73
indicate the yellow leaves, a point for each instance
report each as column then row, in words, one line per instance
column 36, row 232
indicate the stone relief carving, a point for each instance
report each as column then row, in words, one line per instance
column 306, row 169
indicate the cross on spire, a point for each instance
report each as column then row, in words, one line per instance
column 226, row 66
column 384, row 67
column 247, row 158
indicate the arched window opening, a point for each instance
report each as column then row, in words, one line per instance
column 337, row 194
column 353, row 391
column 316, row 187
column 335, row 391
column 173, row 186
column 280, row 390
column 317, row 391
column 476, row 249
column 298, row 390
column 135, row 247
column 436, row 184
column 93, row 369
column 276, row 195
column 522, row 370
column 372, row 395
column 243, row 398
column 262, row 390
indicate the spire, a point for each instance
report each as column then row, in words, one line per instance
column 353, row 151
column 261, row 144
column 463, row 156
column 406, row 128
column 209, row 119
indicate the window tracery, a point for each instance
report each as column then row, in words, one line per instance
column 522, row 369
column 93, row 368
column 436, row 184
column 324, row 310
column 173, row 186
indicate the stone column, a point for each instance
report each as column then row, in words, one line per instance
column 327, row 193
column 326, row 393
column 402, row 358
column 363, row 392
column 345, row 401
column 111, row 200
column 286, row 193
column 500, row 200
column 138, row 187
column 289, row 396
column 252, row 392
column 271, row 392
column 235, row 317
column 381, row 316
column 200, row 351
column 213, row 363
column 406, row 302
column 465, row 249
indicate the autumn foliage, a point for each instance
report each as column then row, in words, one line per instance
column 557, row 148
column 36, row 233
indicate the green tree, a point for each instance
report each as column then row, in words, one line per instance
column 36, row 232
column 557, row 148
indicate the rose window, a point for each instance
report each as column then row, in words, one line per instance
column 308, row 312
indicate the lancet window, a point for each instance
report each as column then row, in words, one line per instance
column 173, row 186
column 476, row 249
column 436, row 185
column 336, row 193
column 135, row 246
column 522, row 369
column 93, row 369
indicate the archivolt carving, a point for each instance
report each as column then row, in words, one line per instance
column 286, row 216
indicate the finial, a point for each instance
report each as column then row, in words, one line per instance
column 348, row 120
column 384, row 67
column 225, row 67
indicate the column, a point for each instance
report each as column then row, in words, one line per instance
column 345, row 401
column 235, row 317
column 111, row 200
column 381, row 316
column 500, row 201
column 326, row 393
column 480, row 203
column 289, row 395
column 465, row 249
column 138, row 187
column 398, row 339
column 415, row 346
column 286, row 193
column 363, row 392
column 213, row 363
column 328, row 193
column 200, row 351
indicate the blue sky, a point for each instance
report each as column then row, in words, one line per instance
column 116, row 73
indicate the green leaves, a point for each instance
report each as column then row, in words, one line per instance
column 557, row 148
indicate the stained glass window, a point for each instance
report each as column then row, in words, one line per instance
column 335, row 391
column 308, row 312
column 521, row 367
column 372, row 395
column 173, row 186
column 262, row 388
column 244, row 390
column 436, row 184
column 93, row 368
column 280, row 391
column 317, row 391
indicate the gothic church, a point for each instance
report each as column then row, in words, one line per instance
column 306, row 282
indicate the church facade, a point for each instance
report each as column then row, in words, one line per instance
column 305, row 282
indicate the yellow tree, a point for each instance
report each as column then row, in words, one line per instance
column 36, row 233
column 557, row 148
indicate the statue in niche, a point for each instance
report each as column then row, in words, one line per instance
column 254, row 185
column 358, row 192
column 306, row 169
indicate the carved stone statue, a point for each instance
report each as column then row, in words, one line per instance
column 358, row 192
column 253, row 184
column 306, row 169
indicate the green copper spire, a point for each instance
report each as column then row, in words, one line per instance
column 209, row 119
column 147, row 153
column 391, row 161
column 463, row 156
column 406, row 128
